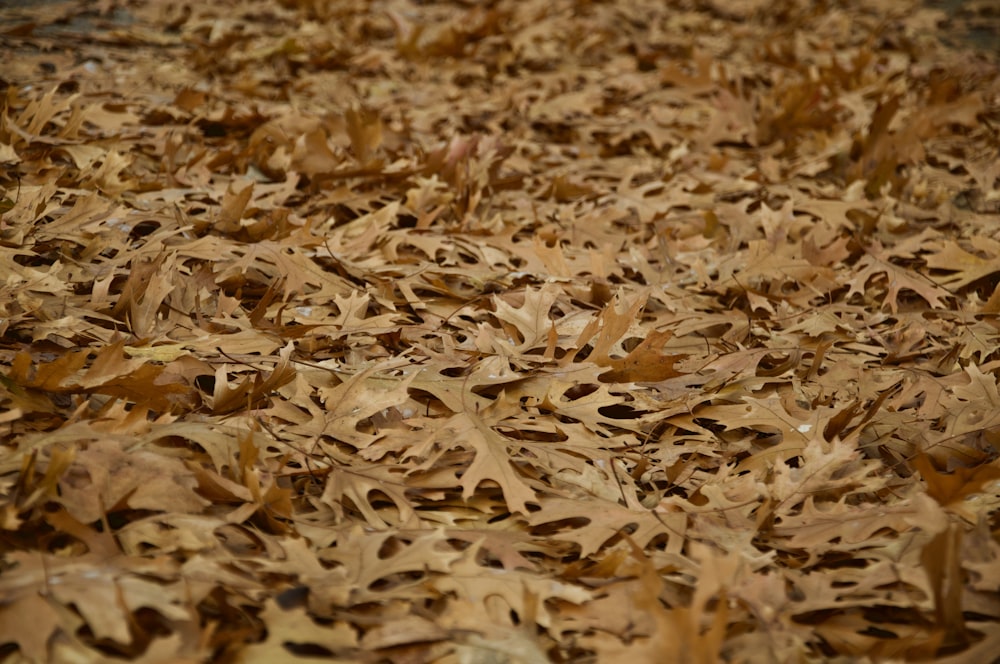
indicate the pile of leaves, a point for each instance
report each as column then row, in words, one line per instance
column 506, row 331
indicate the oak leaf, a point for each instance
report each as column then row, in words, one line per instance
column 492, row 462
column 875, row 264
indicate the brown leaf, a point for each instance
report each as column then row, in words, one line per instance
column 646, row 362
column 949, row 489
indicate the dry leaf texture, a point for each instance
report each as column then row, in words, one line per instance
column 505, row 331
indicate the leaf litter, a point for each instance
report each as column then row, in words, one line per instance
column 508, row 331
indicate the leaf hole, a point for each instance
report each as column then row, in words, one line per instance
column 579, row 391
column 306, row 649
column 561, row 525
column 620, row 411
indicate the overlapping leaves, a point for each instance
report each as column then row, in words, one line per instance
column 431, row 331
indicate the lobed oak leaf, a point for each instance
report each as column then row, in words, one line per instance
column 144, row 291
column 380, row 563
column 528, row 595
column 364, row 127
column 103, row 593
column 852, row 634
column 564, row 189
column 428, row 199
column 171, row 533
column 493, row 461
column 826, row 470
column 876, row 264
column 950, row 489
column 84, row 156
column 942, row 560
column 312, row 155
column 592, row 527
column 405, row 630
column 111, row 178
column 292, row 631
column 31, row 621
column 659, row 631
column 646, row 362
column 964, row 267
column 227, row 398
column 38, row 116
column 350, row 405
column 363, row 488
column 109, row 364
column 516, row 641
column 531, row 321
column 613, row 323
column 538, row 406
column 507, row 546
column 107, row 116
column 109, row 476
column 823, row 526
column 460, row 388
column 580, row 395
column 111, row 373
column 233, row 205
column 975, row 411
column 48, row 376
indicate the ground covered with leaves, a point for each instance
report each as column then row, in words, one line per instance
column 515, row 331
